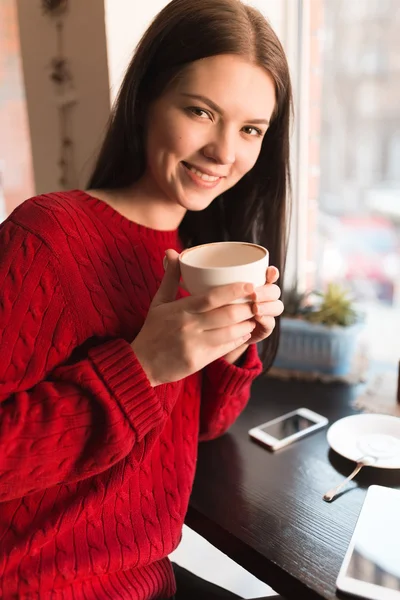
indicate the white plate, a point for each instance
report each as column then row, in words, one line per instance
column 367, row 435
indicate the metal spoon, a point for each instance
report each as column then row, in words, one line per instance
column 364, row 461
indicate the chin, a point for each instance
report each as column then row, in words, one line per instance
column 196, row 203
column 197, row 200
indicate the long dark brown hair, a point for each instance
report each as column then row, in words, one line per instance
column 255, row 209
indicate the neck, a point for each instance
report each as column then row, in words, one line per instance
column 144, row 206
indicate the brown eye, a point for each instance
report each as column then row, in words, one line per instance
column 253, row 131
column 200, row 112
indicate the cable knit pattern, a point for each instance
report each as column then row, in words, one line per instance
column 96, row 466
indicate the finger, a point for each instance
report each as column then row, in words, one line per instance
column 170, row 283
column 267, row 323
column 227, row 335
column 229, row 347
column 272, row 274
column 181, row 282
column 225, row 316
column 266, row 293
column 272, row 309
column 219, row 296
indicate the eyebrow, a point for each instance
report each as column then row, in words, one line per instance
column 218, row 109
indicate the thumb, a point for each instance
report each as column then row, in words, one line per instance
column 170, row 283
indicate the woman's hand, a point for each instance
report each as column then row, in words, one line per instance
column 265, row 307
column 180, row 337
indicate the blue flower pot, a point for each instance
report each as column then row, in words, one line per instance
column 317, row 348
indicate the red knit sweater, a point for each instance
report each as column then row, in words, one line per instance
column 96, row 466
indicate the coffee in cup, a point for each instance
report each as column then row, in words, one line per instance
column 221, row 263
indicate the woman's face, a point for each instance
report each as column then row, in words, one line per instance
column 205, row 132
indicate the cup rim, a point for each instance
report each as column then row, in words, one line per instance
column 254, row 262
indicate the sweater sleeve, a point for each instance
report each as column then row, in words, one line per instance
column 226, row 391
column 62, row 420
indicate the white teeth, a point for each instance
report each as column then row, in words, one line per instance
column 202, row 175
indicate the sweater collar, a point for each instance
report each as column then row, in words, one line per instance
column 169, row 238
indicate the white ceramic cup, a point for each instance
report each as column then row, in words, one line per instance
column 221, row 263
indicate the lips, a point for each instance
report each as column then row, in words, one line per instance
column 204, row 174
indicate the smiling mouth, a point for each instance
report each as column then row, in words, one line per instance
column 200, row 174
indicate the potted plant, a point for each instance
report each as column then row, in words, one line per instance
column 319, row 332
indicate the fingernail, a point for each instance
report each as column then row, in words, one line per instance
column 165, row 263
column 249, row 288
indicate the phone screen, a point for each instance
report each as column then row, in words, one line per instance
column 288, row 426
column 376, row 555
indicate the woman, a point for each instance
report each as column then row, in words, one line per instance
column 110, row 373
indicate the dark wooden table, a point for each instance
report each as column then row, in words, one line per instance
column 265, row 510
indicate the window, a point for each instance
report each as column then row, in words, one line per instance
column 351, row 184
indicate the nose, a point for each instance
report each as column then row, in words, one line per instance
column 221, row 149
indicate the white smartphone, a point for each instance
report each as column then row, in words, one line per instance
column 371, row 566
column 288, row 428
